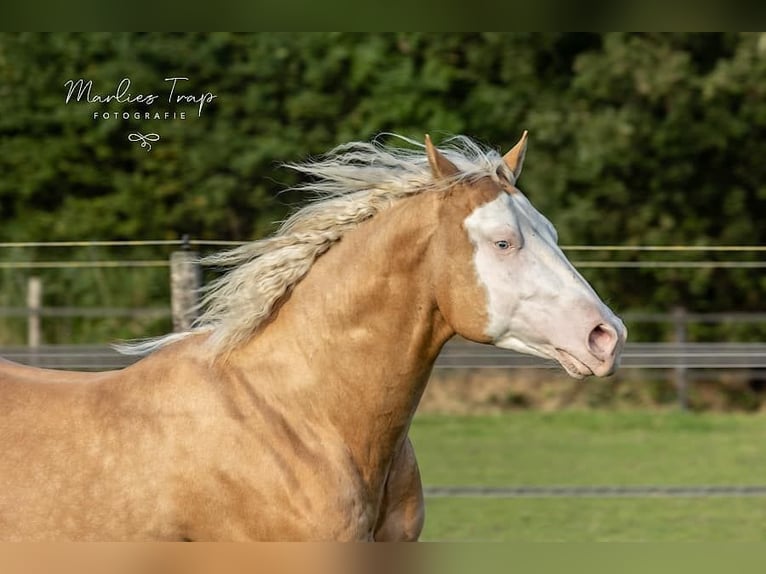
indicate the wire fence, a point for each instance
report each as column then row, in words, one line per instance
column 127, row 243
column 678, row 354
column 223, row 242
column 585, row 264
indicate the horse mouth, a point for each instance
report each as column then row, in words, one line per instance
column 573, row 366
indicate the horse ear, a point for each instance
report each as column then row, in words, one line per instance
column 514, row 159
column 441, row 167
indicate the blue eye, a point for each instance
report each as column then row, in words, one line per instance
column 502, row 244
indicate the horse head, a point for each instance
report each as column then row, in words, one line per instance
column 501, row 278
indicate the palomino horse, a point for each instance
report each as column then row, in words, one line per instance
column 284, row 413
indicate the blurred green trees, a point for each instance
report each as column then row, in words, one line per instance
column 635, row 139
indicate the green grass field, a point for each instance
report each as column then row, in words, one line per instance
column 593, row 448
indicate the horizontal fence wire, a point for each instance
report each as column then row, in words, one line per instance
column 214, row 242
column 688, row 248
column 84, row 264
column 691, row 317
column 585, row 264
column 128, row 243
column 597, row 491
column 670, row 264
column 628, row 317
column 134, row 243
column 86, row 312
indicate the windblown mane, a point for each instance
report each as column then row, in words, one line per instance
column 349, row 185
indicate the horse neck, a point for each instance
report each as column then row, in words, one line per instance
column 361, row 331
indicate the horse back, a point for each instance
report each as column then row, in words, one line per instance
column 61, row 451
column 15, row 373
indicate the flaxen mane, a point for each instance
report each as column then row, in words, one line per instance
column 350, row 184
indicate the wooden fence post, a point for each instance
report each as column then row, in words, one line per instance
column 679, row 336
column 185, row 281
column 34, row 305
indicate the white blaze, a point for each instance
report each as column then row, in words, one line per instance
column 537, row 302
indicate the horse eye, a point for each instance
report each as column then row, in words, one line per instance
column 502, row 244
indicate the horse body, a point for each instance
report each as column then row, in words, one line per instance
column 136, row 455
column 299, row 430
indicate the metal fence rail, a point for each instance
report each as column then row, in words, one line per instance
column 457, row 354
column 69, row 357
column 460, row 354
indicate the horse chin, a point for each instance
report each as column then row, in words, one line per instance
column 574, row 367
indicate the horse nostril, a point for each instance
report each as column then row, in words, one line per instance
column 602, row 341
